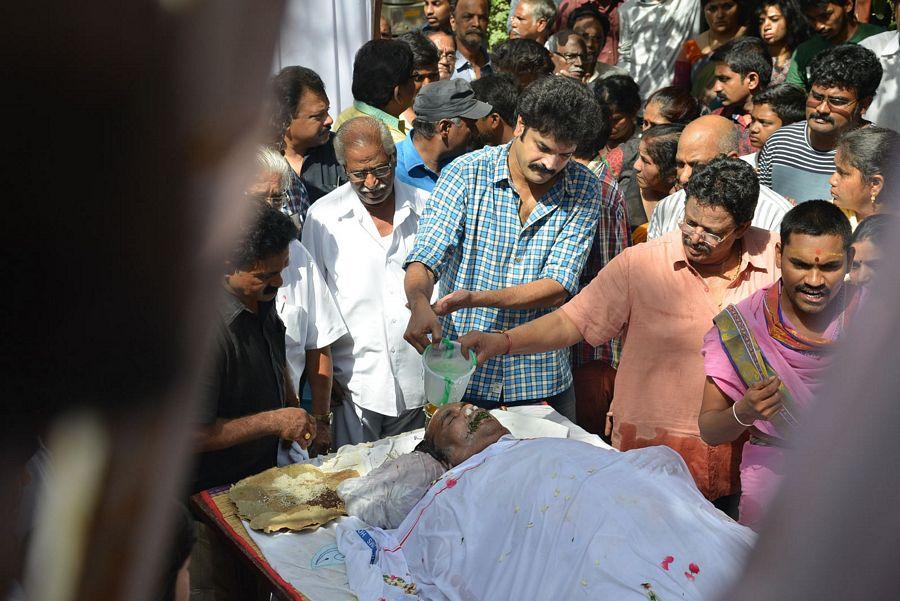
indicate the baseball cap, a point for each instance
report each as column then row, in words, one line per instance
column 449, row 98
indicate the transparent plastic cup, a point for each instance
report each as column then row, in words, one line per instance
column 447, row 374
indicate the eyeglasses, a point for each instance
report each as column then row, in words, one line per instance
column 710, row 240
column 816, row 99
column 571, row 58
column 379, row 172
column 420, row 77
column 276, row 200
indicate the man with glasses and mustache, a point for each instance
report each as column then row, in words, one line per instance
column 767, row 356
column 469, row 20
column 663, row 295
column 797, row 160
column 505, row 235
column 569, row 54
column 358, row 237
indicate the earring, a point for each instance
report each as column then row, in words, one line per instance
column 872, row 199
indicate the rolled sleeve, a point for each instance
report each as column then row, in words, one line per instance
column 601, row 310
column 573, row 243
column 443, row 222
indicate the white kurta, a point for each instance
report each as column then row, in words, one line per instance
column 885, row 108
column 305, row 305
column 364, row 272
column 553, row 519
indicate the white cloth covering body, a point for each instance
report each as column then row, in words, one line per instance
column 552, row 519
column 885, row 108
column 651, row 34
column 770, row 209
column 307, row 308
column 364, row 272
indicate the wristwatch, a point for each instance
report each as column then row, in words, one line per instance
column 324, row 419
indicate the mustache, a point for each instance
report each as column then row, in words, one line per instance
column 476, row 31
column 826, row 118
column 380, row 187
column 540, row 169
column 810, row 290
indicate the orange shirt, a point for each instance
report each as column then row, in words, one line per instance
column 661, row 303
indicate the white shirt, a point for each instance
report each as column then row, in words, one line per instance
column 305, row 305
column 650, row 37
column 885, row 108
column 750, row 159
column 382, row 372
column 770, row 209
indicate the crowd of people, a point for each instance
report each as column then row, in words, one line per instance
column 657, row 227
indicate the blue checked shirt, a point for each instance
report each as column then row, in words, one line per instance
column 470, row 236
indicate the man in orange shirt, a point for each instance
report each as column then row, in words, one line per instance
column 663, row 295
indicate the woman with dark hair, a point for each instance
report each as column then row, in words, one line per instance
column 867, row 242
column 782, row 26
column 655, row 169
column 670, row 105
column 727, row 20
column 861, row 161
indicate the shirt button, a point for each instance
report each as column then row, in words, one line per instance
column 518, row 259
column 393, row 350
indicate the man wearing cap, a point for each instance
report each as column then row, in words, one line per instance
column 444, row 128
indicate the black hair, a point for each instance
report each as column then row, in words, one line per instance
column 428, row 447
column 501, row 91
column 589, row 10
column 560, row 107
column 676, row 104
column 589, row 150
column 806, row 5
column 746, row 55
column 522, row 58
column 180, row 549
column 745, row 10
column 425, row 53
column 379, row 67
column 662, row 146
column 816, row 218
column 285, row 91
column 265, row 232
column 726, row 182
column 872, row 150
column 847, row 66
column 453, row 4
column 620, row 93
column 786, row 100
column 875, row 228
column 798, row 30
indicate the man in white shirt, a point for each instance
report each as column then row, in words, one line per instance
column 695, row 149
column 885, row 108
column 306, row 307
column 359, row 236
column 651, row 33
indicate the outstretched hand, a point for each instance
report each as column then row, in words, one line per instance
column 422, row 323
column 456, row 300
column 485, row 345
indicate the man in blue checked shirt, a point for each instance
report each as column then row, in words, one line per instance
column 506, row 234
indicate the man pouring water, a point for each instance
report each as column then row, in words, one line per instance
column 505, row 235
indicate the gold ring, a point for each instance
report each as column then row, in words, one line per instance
column 307, row 436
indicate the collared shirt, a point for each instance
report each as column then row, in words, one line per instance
column 396, row 125
column 658, row 299
column 297, row 203
column 610, row 239
column 471, row 238
column 651, row 35
column 789, row 164
column 465, row 70
column 245, row 377
column 364, row 272
column 885, row 108
column 770, row 210
column 411, row 169
column 321, row 171
column 307, row 309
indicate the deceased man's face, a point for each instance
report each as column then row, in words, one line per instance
column 459, row 431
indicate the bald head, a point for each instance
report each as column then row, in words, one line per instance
column 703, row 140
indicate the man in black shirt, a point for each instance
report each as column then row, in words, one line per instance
column 250, row 402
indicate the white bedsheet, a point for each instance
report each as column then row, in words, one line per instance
column 311, row 562
column 569, row 522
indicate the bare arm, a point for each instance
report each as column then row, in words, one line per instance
column 319, row 371
column 717, row 418
column 547, row 333
column 539, row 294
column 419, row 285
column 289, row 423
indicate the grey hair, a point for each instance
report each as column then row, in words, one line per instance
column 542, row 9
column 728, row 143
column 561, row 38
column 360, row 130
column 429, row 129
column 870, row 149
column 271, row 161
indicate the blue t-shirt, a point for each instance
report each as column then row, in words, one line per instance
column 411, row 169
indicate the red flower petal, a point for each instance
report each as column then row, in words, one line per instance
column 694, row 568
column 451, row 483
column 689, row 576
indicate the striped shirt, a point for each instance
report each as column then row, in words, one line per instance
column 770, row 209
column 789, row 165
column 470, row 236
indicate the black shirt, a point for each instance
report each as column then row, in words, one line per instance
column 321, row 172
column 246, row 376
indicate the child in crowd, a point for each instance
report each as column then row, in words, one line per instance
column 778, row 106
